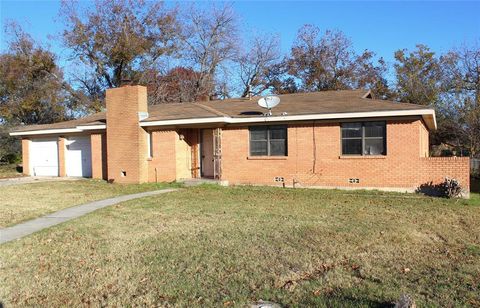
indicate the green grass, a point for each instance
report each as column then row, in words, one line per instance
column 9, row 171
column 28, row 201
column 210, row 246
column 475, row 190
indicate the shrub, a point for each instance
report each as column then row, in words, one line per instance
column 449, row 188
column 11, row 158
column 452, row 188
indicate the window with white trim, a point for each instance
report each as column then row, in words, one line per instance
column 364, row 138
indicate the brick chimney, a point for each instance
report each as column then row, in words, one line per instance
column 126, row 140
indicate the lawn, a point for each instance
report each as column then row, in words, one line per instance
column 212, row 246
column 23, row 202
column 9, row 171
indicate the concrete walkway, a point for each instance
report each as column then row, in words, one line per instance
column 34, row 225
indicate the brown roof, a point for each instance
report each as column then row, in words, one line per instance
column 345, row 101
column 179, row 111
column 311, row 103
column 94, row 119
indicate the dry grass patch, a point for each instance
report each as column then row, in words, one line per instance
column 9, row 171
column 212, row 246
column 28, row 201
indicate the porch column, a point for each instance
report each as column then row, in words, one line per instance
column 26, row 156
column 217, row 153
column 99, row 154
column 61, row 157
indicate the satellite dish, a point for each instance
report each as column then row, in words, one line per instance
column 269, row 102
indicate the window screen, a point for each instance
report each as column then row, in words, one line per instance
column 364, row 138
column 268, row 141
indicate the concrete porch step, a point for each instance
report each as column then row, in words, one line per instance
column 200, row 181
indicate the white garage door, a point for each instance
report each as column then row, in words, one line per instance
column 44, row 157
column 78, row 156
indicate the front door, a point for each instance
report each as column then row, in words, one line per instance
column 206, row 148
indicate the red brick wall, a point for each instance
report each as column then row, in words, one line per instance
column 314, row 159
column 424, row 142
column 437, row 168
column 174, row 155
column 99, row 156
column 26, row 156
column 162, row 165
column 126, row 140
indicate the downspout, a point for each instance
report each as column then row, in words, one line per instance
column 314, row 149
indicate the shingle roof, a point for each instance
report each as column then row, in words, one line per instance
column 94, row 119
column 311, row 103
column 345, row 101
column 178, row 111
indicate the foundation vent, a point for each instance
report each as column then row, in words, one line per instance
column 280, row 179
column 353, row 181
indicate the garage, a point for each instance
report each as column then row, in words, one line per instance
column 44, row 157
column 78, row 156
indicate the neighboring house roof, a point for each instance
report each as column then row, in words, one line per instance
column 293, row 107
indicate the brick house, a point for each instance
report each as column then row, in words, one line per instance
column 343, row 139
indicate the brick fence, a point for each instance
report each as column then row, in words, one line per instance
column 437, row 168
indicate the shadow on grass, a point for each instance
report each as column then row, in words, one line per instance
column 354, row 302
column 341, row 299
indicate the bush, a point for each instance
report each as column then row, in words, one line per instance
column 10, row 147
column 12, row 158
column 452, row 188
column 449, row 188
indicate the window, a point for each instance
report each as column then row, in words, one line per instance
column 363, row 138
column 150, row 144
column 268, row 140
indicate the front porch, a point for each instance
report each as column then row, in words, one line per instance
column 184, row 154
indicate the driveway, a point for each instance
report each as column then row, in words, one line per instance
column 33, row 179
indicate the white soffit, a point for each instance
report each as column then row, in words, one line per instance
column 427, row 114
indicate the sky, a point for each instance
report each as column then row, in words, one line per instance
column 382, row 27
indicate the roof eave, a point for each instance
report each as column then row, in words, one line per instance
column 77, row 129
column 427, row 114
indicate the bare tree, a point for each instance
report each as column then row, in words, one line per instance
column 371, row 75
column 256, row 64
column 175, row 86
column 210, row 39
column 418, row 76
column 327, row 61
column 118, row 39
column 461, row 97
column 322, row 62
